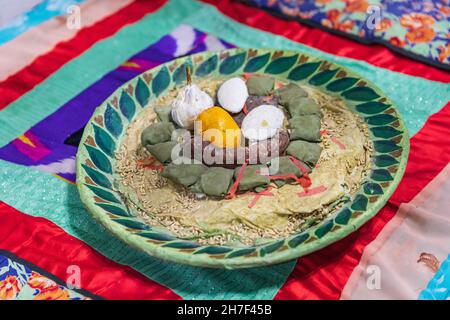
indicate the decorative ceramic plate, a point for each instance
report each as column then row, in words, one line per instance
column 103, row 134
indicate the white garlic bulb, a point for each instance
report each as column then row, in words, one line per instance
column 190, row 102
column 232, row 95
column 262, row 122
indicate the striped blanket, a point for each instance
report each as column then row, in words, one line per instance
column 60, row 62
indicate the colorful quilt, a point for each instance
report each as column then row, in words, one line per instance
column 52, row 249
column 416, row 28
column 23, row 281
column 43, row 11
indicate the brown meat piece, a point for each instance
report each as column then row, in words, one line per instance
column 255, row 153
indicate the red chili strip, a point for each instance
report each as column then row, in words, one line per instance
column 334, row 139
column 304, row 181
column 299, row 165
column 258, row 195
column 146, row 162
column 312, row 191
column 253, row 202
column 235, row 185
column 278, row 85
column 244, row 109
column 246, row 75
column 340, row 144
column 149, row 164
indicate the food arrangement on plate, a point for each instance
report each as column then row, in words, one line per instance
column 242, row 160
column 260, row 156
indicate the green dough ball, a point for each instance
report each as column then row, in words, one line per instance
column 307, row 152
column 283, row 165
column 305, row 128
column 260, row 189
column 260, row 85
column 216, row 181
column 288, row 94
column 303, row 106
column 163, row 113
column 184, row 174
column 157, row 133
column 252, row 178
column 162, row 151
column 196, row 187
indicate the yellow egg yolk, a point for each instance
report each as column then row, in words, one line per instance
column 219, row 128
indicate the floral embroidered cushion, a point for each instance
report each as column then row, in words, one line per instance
column 21, row 280
column 416, row 28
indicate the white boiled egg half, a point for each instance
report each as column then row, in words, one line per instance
column 262, row 122
column 232, row 95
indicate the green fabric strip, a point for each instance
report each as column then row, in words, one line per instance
column 42, row 195
column 81, row 72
